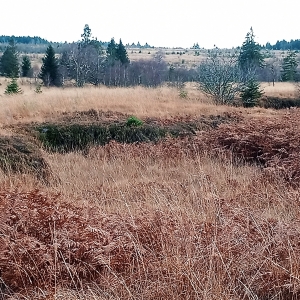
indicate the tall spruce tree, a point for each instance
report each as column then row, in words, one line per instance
column 250, row 60
column 9, row 64
column 49, row 71
column 121, row 53
column 26, row 66
column 111, row 51
column 86, row 36
column 250, row 57
column 289, row 67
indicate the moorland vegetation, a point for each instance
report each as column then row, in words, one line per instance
column 150, row 178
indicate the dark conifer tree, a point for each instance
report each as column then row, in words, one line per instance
column 9, row 64
column 111, row 51
column 49, row 71
column 86, row 36
column 250, row 56
column 121, row 53
column 251, row 92
column 289, row 67
column 26, row 66
column 13, row 88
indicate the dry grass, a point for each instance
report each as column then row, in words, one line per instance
column 119, row 174
column 179, row 219
column 142, row 102
column 187, row 57
column 152, row 222
column 162, row 102
column 280, row 90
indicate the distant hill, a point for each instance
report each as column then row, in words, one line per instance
column 36, row 40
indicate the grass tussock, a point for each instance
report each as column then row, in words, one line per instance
column 19, row 155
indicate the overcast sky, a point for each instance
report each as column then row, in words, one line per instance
column 166, row 23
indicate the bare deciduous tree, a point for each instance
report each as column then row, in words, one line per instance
column 220, row 77
column 36, row 71
column 85, row 64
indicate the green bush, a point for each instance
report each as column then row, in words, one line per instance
column 134, row 121
column 13, row 88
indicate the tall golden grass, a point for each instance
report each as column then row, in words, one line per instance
column 281, row 90
column 162, row 102
column 179, row 219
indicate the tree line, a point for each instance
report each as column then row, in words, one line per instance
column 88, row 62
column 36, row 40
column 284, row 45
column 222, row 75
column 23, row 39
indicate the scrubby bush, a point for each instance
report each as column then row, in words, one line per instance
column 183, row 94
column 134, row 121
column 220, row 77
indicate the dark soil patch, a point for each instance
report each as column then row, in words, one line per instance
column 19, row 155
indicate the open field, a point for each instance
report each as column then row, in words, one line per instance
column 281, row 90
column 180, row 57
column 211, row 213
column 143, row 102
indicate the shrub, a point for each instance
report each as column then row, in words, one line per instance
column 251, row 93
column 219, row 77
column 38, row 89
column 134, row 121
column 183, row 94
column 78, row 137
column 13, row 88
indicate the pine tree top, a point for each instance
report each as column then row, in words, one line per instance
column 250, row 55
column 121, row 53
